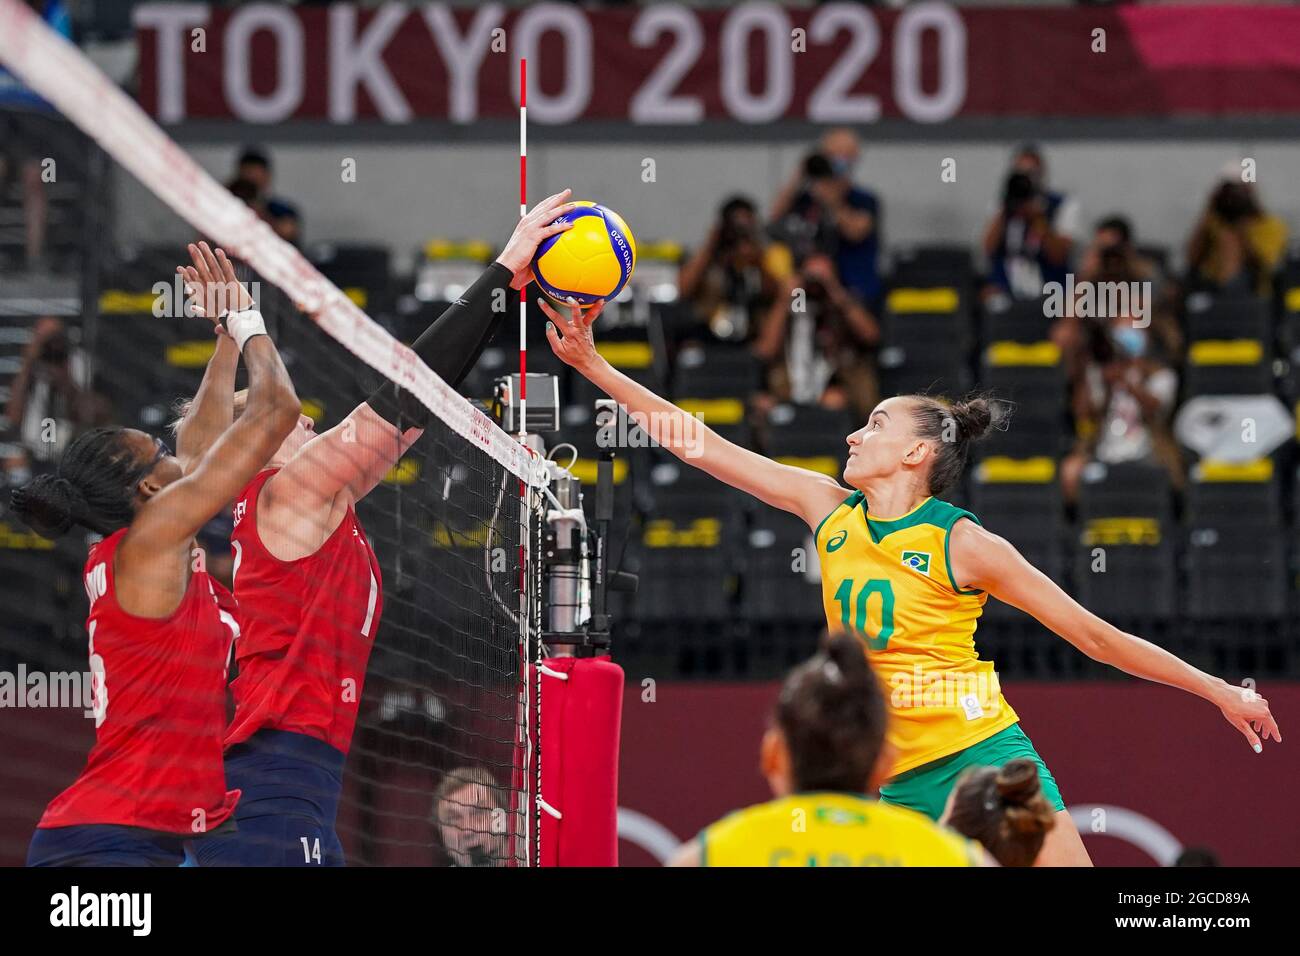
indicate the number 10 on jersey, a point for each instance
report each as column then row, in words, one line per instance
column 853, row 610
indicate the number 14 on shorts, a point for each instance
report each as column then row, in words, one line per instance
column 310, row 849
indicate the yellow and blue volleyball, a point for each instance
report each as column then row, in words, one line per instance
column 589, row 262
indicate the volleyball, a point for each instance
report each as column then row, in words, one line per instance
column 589, row 262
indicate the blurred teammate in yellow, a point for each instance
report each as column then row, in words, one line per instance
column 823, row 753
column 909, row 573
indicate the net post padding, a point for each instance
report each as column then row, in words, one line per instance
column 582, row 713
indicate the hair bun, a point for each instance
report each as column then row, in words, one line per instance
column 1021, row 794
column 49, row 504
column 846, row 653
column 974, row 417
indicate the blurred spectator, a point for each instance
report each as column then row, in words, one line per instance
column 472, row 821
column 1197, row 856
column 818, row 341
column 1029, row 239
column 1123, row 402
column 820, row 210
column 255, row 167
column 50, row 401
column 731, row 279
column 28, row 128
column 1236, row 246
column 1112, row 257
column 246, row 191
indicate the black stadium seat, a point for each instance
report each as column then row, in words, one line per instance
column 1125, row 490
column 1020, row 499
column 926, row 338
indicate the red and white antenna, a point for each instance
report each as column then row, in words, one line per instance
column 523, row 211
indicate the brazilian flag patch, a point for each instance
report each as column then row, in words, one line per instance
column 918, row 561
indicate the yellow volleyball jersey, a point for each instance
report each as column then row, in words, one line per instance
column 832, row 829
column 890, row 583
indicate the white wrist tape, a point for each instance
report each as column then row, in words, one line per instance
column 242, row 326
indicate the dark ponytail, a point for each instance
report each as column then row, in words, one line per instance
column 94, row 486
column 831, row 712
column 953, row 427
column 1005, row 810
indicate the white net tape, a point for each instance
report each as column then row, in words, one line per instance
column 58, row 71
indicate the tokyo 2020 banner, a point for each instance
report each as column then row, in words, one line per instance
column 753, row 63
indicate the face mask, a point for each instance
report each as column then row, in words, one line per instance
column 1132, row 342
column 840, row 166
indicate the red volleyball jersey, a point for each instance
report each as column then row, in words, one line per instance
column 307, row 629
column 159, row 704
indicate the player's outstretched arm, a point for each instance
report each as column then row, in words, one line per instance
column 353, row 456
column 213, row 289
column 178, row 511
column 808, row 494
column 986, row 561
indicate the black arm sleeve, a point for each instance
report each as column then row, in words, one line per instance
column 451, row 345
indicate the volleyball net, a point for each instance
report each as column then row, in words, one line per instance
column 441, row 769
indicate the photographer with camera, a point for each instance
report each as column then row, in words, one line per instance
column 1112, row 258
column 1123, row 400
column 1236, row 246
column 50, row 401
column 819, row 209
column 819, row 342
column 1029, row 239
column 731, row 279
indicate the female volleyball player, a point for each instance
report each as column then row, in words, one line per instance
column 910, row 574
column 308, row 583
column 158, row 639
column 1004, row 809
column 824, row 752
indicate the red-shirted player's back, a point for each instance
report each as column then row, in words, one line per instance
column 307, row 629
column 159, row 706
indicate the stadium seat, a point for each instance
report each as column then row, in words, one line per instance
column 687, row 561
column 1020, row 499
column 362, row 271
column 926, row 337
column 1228, row 318
column 808, row 436
column 1125, row 490
column 929, row 265
column 1236, row 572
column 1125, row 569
column 1223, row 494
column 1229, row 347
column 780, row 580
column 715, row 371
column 1016, row 320
column 1030, row 381
column 714, row 384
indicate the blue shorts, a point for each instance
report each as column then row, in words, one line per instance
column 291, row 786
column 104, row 844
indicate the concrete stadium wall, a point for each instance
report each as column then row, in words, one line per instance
column 406, row 192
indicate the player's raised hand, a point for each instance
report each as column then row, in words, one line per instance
column 212, row 285
column 571, row 337
column 1248, row 712
column 538, row 225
